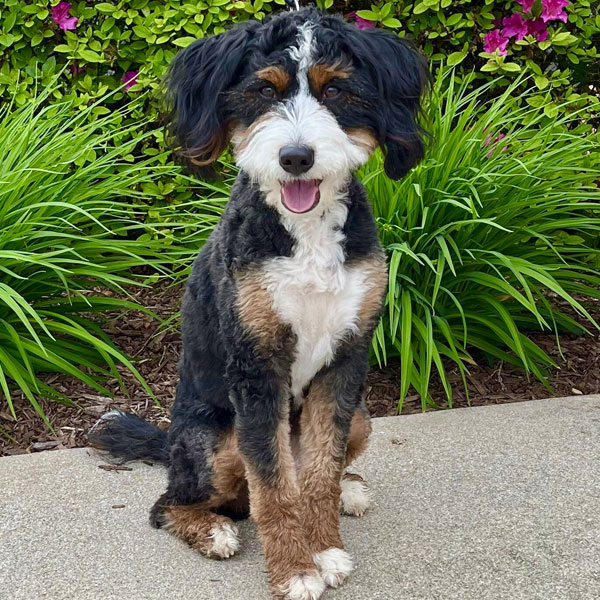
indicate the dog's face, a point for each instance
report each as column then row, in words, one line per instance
column 305, row 99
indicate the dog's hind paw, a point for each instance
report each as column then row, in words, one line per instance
column 225, row 541
column 302, row 587
column 334, row 565
column 355, row 497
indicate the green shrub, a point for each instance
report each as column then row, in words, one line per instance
column 559, row 45
column 67, row 228
column 486, row 236
column 106, row 44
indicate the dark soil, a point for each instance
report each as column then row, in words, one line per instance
column 157, row 350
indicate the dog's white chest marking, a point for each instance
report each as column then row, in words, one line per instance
column 315, row 293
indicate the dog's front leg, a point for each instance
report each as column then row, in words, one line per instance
column 263, row 431
column 327, row 413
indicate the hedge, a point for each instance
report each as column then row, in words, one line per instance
column 128, row 44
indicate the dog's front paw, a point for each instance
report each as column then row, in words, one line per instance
column 307, row 586
column 355, row 497
column 334, row 565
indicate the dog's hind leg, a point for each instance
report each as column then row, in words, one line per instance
column 205, row 481
column 355, row 497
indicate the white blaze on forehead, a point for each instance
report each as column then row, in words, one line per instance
column 303, row 54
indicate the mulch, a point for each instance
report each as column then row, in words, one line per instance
column 156, row 350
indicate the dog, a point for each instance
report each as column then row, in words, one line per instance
column 281, row 305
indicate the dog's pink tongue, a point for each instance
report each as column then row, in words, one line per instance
column 300, row 196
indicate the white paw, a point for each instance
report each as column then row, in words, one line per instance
column 355, row 497
column 225, row 541
column 334, row 565
column 303, row 587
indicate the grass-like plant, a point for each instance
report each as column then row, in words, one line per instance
column 491, row 237
column 68, row 179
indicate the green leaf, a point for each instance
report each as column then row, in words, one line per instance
column 454, row 20
column 456, row 58
column 184, row 42
column 89, row 55
column 541, row 82
column 369, row 15
column 391, row 22
column 564, row 38
column 7, row 39
column 490, row 67
column 105, row 7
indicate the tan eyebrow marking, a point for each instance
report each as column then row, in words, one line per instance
column 321, row 74
column 278, row 76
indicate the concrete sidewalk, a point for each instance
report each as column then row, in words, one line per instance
column 501, row 502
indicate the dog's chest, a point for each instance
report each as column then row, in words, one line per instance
column 315, row 293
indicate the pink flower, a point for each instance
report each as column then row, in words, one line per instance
column 130, row 79
column 489, row 141
column 527, row 5
column 538, row 29
column 60, row 15
column 514, row 26
column 552, row 10
column 495, row 41
column 360, row 22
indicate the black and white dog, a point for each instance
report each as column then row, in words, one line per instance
column 280, row 308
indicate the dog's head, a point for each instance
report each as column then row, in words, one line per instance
column 305, row 99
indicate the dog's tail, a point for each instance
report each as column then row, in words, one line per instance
column 128, row 437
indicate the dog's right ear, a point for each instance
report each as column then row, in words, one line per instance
column 197, row 78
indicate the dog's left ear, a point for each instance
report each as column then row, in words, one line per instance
column 197, row 79
column 400, row 76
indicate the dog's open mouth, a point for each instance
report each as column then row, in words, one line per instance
column 300, row 196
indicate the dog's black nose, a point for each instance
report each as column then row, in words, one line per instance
column 296, row 159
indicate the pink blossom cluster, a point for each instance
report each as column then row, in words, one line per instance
column 360, row 22
column 60, row 15
column 515, row 26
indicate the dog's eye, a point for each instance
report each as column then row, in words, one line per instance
column 268, row 91
column 331, row 92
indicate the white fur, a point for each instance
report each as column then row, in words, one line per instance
column 225, row 541
column 355, row 497
column 303, row 54
column 300, row 121
column 314, row 291
column 303, row 587
column 334, row 565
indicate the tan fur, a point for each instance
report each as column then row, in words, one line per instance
column 363, row 137
column 211, row 151
column 274, row 506
column 193, row 525
column 320, row 75
column 372, row 303
column 229, row 478
column 243, row 135
column 360, row 429
column 321, row 469
column 255, row 308
column 278, row 76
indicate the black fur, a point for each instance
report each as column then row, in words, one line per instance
column 128, row 438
